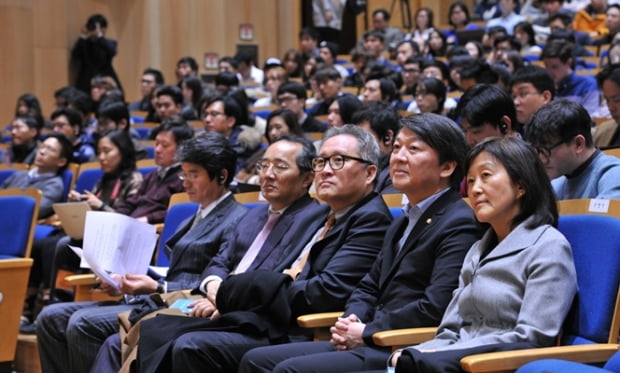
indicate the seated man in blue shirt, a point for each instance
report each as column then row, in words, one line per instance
column 561, row 131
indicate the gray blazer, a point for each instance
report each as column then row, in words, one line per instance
column 520, row 292
column 51, row 187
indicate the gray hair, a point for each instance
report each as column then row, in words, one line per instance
column 367, row 145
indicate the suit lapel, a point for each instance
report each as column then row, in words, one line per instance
column 425, row 222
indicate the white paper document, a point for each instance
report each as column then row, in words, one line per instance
column 116, row 243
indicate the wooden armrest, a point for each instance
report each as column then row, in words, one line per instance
column 318, row 320
column 85, row 279
column 512, row 360
column 404, row 337
column 51, row 220
column 159, row 227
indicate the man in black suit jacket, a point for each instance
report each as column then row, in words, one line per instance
column 331, row 263
column 70, row 334
column 285, row 179
column 411, row 282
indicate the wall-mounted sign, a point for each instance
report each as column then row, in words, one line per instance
column 246, row 32
column 211, row 60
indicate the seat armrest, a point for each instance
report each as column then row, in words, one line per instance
column 85, row 279
column 318, row 320
column 403, row 337
column 512, row 360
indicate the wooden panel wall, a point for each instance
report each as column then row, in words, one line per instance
column 37, row 36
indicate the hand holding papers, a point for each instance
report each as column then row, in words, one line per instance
column 115, row 243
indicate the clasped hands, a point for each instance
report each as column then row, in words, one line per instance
column 347, row 333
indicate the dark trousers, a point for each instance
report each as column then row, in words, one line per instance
column 312, row 357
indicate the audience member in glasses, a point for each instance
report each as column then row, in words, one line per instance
column 413, row 278
column 561, row 132
column 331, row 264
column 531, row 87
column 151, row 78
column 70, row 334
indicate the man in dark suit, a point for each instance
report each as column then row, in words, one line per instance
column 328, row 267
column 286, row 175
column 411, row 282
column 70, row 334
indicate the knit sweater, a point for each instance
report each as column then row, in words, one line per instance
column 599, row 177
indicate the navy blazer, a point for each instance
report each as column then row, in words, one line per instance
column 283, row 244
column 338, row 261
column 412, row 287
column 190, row 251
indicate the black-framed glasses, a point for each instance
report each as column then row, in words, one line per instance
column 336, row 162
column 546, row 150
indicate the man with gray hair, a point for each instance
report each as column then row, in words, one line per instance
column 412, row 280
column 325, row 273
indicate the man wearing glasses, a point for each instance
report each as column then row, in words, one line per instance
column 70, row 334
column 292, row 96
column 327, row 267
column 561, row 132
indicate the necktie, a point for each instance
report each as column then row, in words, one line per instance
column 257, row 244
column 299, row 266
column 197, row 219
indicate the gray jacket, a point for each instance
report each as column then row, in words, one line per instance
column 520, row 292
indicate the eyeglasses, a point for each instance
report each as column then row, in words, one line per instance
column 411, row 71
column 278, row 166
column 336, row 162
column 546, row 150
column 188, row 177
column 212, row 113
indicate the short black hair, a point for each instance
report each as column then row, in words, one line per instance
column 66, row 149
column 211, row 151
column 444, row 136
column 227, row 78
column 159, row 77
column 525, row 169
column 180, row 130
column 383, row 12
column 190, row 61
column 73, row 116
column 559, row 120
column 115, row 111
column 609, row 72
column 309, row 32
column 347, row 105
column 558, row 48
column 538, row 76
column 294, row 88
column 380, row 116
column 173, row 91
column 486, row 103
column 92, row 21
column 565, row 18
